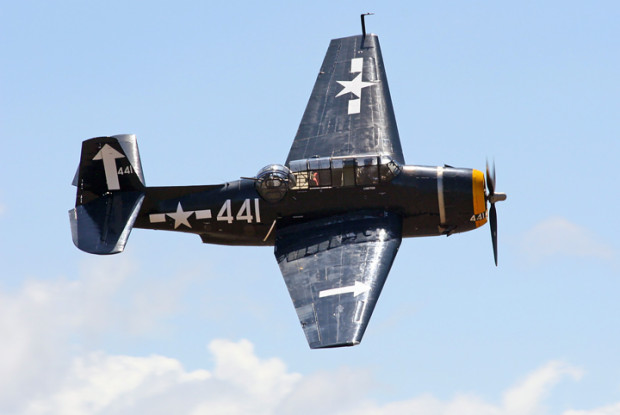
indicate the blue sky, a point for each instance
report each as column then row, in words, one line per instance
column 216, row 91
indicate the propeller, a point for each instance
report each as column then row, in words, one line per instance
column 493, row 197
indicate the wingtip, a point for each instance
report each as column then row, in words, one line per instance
column 334, row 345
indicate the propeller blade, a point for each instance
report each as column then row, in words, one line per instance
column 491, row 179
column 493, row 223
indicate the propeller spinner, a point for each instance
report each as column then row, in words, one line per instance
column 492, row 197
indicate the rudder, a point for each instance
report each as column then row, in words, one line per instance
column 110, row 191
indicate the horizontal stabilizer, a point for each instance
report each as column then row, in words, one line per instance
column 102, row 226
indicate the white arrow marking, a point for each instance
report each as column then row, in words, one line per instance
column 357, row 289
column 109, row 156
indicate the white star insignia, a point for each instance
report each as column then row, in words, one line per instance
column 180, row 217
column 355, row 86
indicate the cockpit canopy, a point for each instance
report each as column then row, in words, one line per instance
column 325, row 172
column 273, row 181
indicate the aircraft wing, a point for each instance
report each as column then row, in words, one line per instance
column 334, row 269
column 350, row 110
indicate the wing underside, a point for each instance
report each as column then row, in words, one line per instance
column 334, row 269
column 350, row 110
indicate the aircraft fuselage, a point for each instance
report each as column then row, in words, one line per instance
column 431, row 201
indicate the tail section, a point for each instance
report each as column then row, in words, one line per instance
column 110, row 192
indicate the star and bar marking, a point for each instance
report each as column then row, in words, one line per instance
column 355, row 86
column 180, row 216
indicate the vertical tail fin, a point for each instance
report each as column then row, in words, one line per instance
column 110, row 191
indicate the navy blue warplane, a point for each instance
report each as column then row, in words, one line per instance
column 335, row 211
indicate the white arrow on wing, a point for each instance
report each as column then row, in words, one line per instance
column 357, row 289
column 109, row 156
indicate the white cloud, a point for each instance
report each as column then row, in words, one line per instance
column 37, row 321
column 44, row 371
column 243, row 383
column 525, row 398
column 238, row 365
column 429, row 405
column 558, row 236
column 41, row 321
column 323, row 392
column 97, row 383
column 240, row 383
column 606, row 410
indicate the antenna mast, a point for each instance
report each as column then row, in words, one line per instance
column 364, row 24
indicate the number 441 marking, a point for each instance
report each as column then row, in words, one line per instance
column 244, row 213
column 124, row 170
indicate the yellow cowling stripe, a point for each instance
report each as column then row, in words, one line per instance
column 480, row 204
